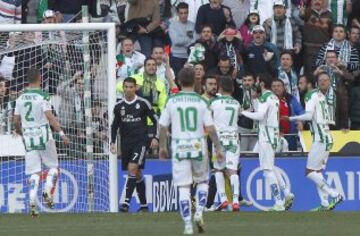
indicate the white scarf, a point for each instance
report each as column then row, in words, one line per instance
column 290, row 84
column 344, row 50
column 288, row 40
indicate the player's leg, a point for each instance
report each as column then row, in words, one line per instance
column 220, row 183
column 140, row 181
column 33, row 169
column 232, row 163
column 200, row 170
column 182, row 177
column 267, row 159
column 50, row 159
column 242, row 201
column 289, row 196
column 315, row 163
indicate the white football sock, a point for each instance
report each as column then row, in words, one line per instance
column 185, row 203
column 201, row 197
column 283, row 187
column 271, row 178
column 235, row 185
column 51, row 179
column 34, row 185
column 324, row 196
column 319, row 180
column 220, row 185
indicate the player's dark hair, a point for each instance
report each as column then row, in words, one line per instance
column 129, row 80
column 33, row 75
column 186, row 77
column 182, row 5
column 266, row 79
column 209, row 76
column 227, row 84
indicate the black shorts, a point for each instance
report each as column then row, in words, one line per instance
column 133, row 153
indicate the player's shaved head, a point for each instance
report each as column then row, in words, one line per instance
column 186, row 77
column 33, row 75
column 226, row 84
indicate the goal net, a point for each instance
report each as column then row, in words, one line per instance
column 77, row 65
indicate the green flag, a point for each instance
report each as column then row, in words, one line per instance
column 42, row 6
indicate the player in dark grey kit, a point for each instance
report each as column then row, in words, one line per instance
column 130, row 116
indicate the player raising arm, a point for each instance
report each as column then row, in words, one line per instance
column 269, row 137
column 318, row 111
column 188, row 113
column 33, row 118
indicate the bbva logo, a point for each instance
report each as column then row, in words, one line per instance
column 258, row 189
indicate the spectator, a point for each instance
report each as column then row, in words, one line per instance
column 4, row 103
column 149, row 85
column 263, row 7
column 354, row 17
column 261, row 56
column 143, row 23
column 239, row 10
column 224, row 68
column 252, row 20
column 317, row 31
column 129, row 61
column 164, row 71
column 288, row 75
column 210, row 47
column 230, row 45
column 338, row 95
column 340, row 10
column 245, row 93
column 100, row 138
column 216, row 15
column 282, row 30
column 68, row 8
column 289, row 106
column 347, row 54
column 10, row 11
column 182, row 34
column 194, row 7
column 354, row 38
column 199, row 77
column 304, row 86
column 355, row 105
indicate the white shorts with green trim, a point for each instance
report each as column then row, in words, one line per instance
column 48, row 157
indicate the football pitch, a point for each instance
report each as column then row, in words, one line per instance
column 217, row 223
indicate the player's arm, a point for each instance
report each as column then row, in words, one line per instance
column 309, row 111
column 56, row 125
column 114, row 129
column 17, row 123
column 258, row 115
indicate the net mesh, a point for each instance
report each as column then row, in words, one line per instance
column 74, row 73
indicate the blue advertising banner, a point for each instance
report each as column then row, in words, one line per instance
column 71, row 195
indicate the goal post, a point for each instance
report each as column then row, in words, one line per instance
column 106, row 57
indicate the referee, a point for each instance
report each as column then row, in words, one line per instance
column 130, row 116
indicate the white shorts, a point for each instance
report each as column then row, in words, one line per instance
column 48, row 157
column 318, row 156
column 266, row 155
column 231, row 162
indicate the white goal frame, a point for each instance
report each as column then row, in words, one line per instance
column 111, row 76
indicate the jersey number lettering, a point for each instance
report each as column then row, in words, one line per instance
column 188, row 118
column 28, row 116
column 135, row 156
column 232, row 111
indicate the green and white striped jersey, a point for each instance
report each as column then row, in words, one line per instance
column 317, row 106
column 31, row 107
column 267, row 114
column 187, row 113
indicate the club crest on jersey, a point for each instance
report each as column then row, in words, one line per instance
column 122, row 111
column 137, row 106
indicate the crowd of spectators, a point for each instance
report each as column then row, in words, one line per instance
column 292, row 40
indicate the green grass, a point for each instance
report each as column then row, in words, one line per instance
column 223, row 224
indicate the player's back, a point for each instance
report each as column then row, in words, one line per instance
column 269, row 126
column 30, row 106
column 187, row 111
column 225, row 112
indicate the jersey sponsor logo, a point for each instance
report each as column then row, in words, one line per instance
column 137, row 106
column 262, row 196
column 122, row 111
column 66, row 193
